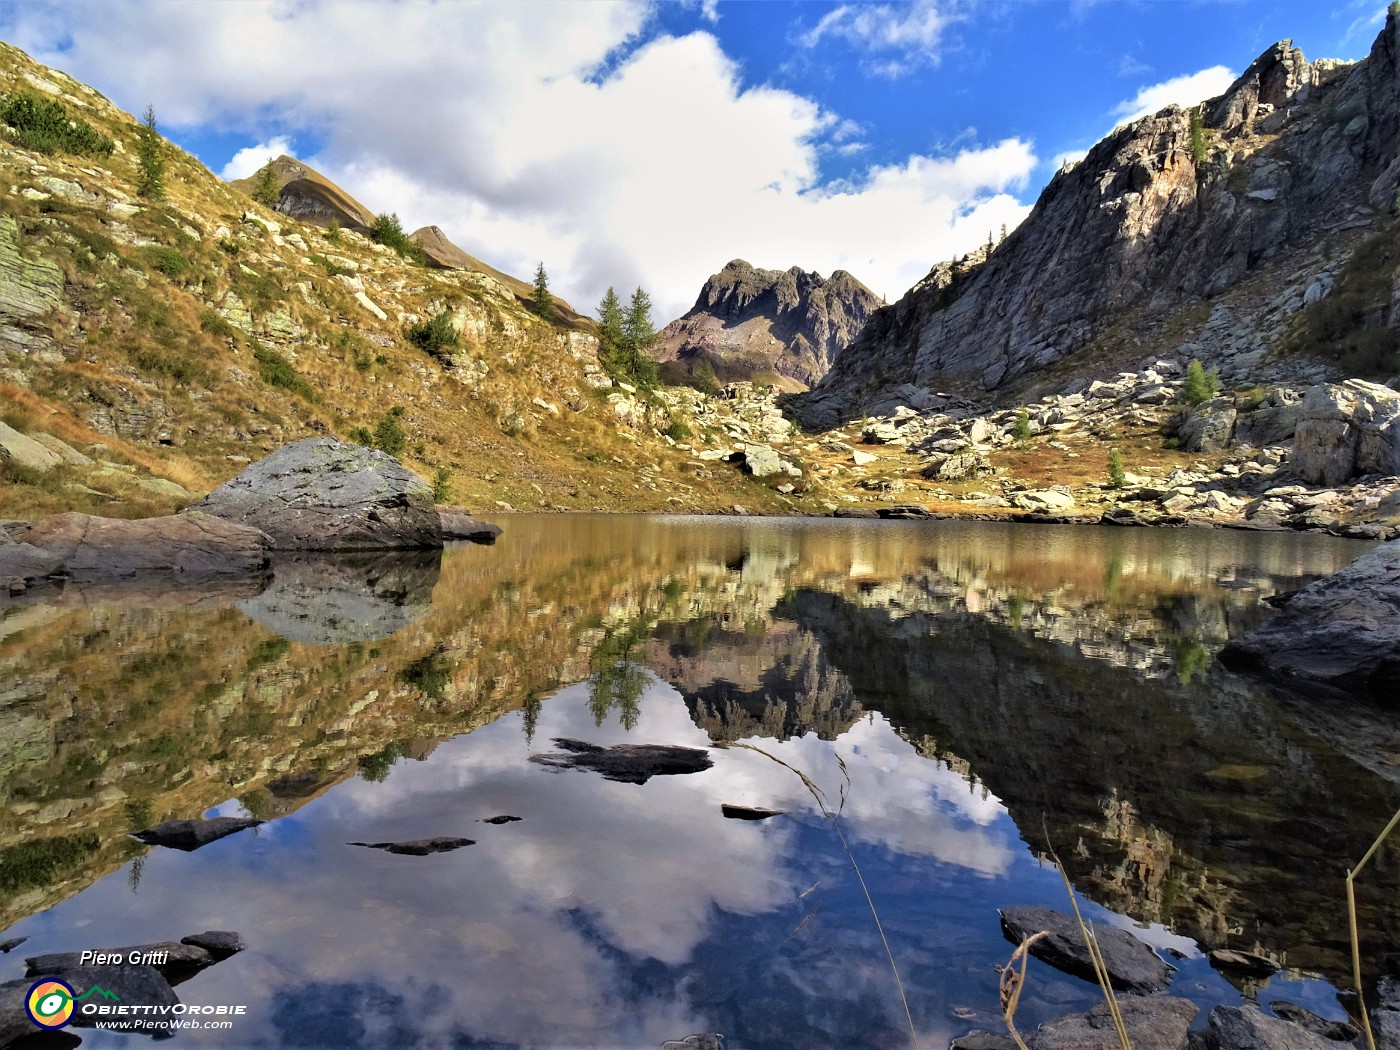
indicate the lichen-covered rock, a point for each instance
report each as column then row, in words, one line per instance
column 24, row 451
column 1347, row 430
column 1342, row 631
column 28, row 287
column 323, row 494
column 1209, row 426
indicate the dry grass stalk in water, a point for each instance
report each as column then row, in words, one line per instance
column 833, row 820
column 1355, row 935
column 1012, row 981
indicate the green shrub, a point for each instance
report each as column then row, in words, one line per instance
column 388, row 435
column 1117, row 477
column 434, row 334
column 1198, row 138
column 170, row 363
column 150, row 158
column 1200, row 385
column 331, row 268
column 388, row 232
column 676, row 430
column 362, row 436
column 442, row 486
column 216, row 324
column 333, row 232
column 266, row 190
column 276, row 370
column 1021, row 429
column 44, row 125
column 167, row 261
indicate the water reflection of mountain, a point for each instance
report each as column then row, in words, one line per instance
column 1197, row 804
column 1056, row 665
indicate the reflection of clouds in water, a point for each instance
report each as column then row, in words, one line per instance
column 541, row 932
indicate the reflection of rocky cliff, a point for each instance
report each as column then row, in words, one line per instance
column 778, row 684
column 1193, row 805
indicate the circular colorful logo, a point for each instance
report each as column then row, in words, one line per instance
column 50, row 1003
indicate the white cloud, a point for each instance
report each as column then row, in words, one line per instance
column 1069, row 156
column 558, row 133
column 1185, row 90
column 910, row 32
column 251, row 158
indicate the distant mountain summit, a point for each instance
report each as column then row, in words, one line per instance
column 750, row 323
column 305, row 194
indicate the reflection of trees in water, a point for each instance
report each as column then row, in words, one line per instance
column 617, row 680
column 375, row 767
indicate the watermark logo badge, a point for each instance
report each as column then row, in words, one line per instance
column 50, row 1003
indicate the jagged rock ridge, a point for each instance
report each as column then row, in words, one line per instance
column 305, row 194
column 748, row 321
column 1148, row 225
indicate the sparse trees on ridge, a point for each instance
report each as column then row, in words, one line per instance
column 266, row 191
column 624, row 337
column 542, row 302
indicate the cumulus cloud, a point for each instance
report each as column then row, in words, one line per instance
column 251, row 158
column 1185, row 90
column 576, row 134
column 896, row 37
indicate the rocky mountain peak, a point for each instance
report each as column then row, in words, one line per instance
column 1191, row 231
column 748, row 322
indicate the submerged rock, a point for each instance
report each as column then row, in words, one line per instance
column 418, row 847
column 1153, row 1022
column 189, row 835
column 748, row 812
column 627, row 763
column 1342, row 631
column 1132, row 966
column 323, row 494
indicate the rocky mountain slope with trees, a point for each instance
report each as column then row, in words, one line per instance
column 779, row 326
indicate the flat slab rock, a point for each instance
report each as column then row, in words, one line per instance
column 1342, row 631
column 190, row 835
column 1153, row 1022
column 1132, row 966
column 627, row 763
column 87, row 547
column 458, row 524
column 419, row 847
column 323, row 494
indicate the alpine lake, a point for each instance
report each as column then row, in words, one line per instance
column 936, row 711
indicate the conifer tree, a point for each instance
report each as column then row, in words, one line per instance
column 543, row 302
column 638, row 337
column 610, row 325
column 150, row 155
column 265, row 190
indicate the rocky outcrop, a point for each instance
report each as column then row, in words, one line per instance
column 306, row 194
column 1131, row 965
column 1347, row 430
column 1248, row 1028
column 28, row 287
column 1342, row 631
column 749, row 321
column 1146, row 225
column 458, row 524
column 93, row 548
column 25, row 452
column 323, row 494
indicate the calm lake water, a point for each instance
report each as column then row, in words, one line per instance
column 963, row 697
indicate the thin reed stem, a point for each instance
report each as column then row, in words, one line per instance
column 1355, row 934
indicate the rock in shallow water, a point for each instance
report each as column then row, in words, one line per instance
column 189, row 835
column 1131, row 964
column 1153, row 1022
column 458, row 524
column 323, row 494
column 627, row 763
column 418, row 847
column 1342, row 631
column 92, row 548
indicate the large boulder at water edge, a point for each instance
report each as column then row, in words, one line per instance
column 323, row 494
column 1342, row 631
column 1347, row 430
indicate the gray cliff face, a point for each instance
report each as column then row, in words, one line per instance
column 748, row 321
column 1141, row 230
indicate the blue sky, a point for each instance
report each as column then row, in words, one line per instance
column 631, row 143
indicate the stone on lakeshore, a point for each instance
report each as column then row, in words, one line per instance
column 1043, row 501
column 761, row 461
column 1153, row 1022
column 93, row 548
column 190, row 835
column 1342, row 631
column 1347, row 430
column 1132, row 966
column 323, row 494
column 458, row 524
column 1209, row 426
column 1248, row 1028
